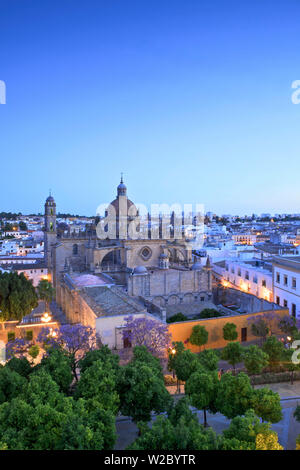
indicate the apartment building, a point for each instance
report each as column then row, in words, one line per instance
column 286, row 283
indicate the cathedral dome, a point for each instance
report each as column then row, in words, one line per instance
column 140, row 270
column 50, row 200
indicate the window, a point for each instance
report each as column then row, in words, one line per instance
column 294, row 283
column 202, row 299
column 75, row 249
column 285, row 303
column 146, row 253
column 11, row 336
column 264, row 283
column 255, row 280
column 294, row 310
column 239, row 272
column 285, row 281
column 247, row 275
column 278, row 300
column 232, row 269
column 278, row 278
column 29, row 335
column 226, row 267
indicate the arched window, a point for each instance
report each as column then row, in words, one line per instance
column 75, row 249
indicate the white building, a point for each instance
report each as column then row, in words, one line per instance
column 286, row 283
column 253, row 276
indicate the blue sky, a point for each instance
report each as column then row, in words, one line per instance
column 190, row 99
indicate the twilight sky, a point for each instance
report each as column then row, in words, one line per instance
column 191, row 99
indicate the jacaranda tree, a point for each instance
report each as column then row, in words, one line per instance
column 144, row 331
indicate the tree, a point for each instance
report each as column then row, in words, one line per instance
column 98, row 383
column 33, row 351
column 58, row 365
column 268, row 441
column 208, row 359
column 141, row 354
column 185, row 364
column 141, row 391
column 229, row 332
column 274, row 348
column 179, row 430
column 143, row 331
column 259, row 327
column 255, row 360
column 199, row 336
column 287, row 325
column 245, row 428
column 177, row 317
column 266, row 404
column 75, row 340
column 209, row 313
column 103, row 354
column 232, row 353
column 233, row 395
column 201, row 387
column 17, row 296
column 11, row 384
column 46, row 292
column 20, row 365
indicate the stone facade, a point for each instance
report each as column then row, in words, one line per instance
column 151, row 275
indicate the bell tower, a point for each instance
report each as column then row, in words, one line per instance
column 50, row 230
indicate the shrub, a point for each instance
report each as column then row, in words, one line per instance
column 177, row 317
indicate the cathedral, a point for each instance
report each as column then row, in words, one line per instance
column 101, row 280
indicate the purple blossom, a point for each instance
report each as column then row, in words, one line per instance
column 75, row 340
column 147, row 332
column 17, row 348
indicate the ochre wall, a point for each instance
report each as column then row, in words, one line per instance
column 181, row 331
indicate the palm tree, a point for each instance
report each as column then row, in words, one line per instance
column 46, row 292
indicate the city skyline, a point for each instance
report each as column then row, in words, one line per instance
column 192, row 102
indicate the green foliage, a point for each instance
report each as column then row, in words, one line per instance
column 245, row 428
column 45, row 291
column 103, row 354
column 17, row 296
column 229, row 332
column 141, row 391
column 98, row 383
column 185, row 364
column 179, row 431
column 199, row 335
column 141, row 354
column 33, row 351
column 275, row 349
column 255, row 360
column 260, row 328
column 58, row 366
column 232, row 353
column 20, row 365
column 297, row 413
column 209, row 359
column 209, row 313
column 11, row 384
column 266, row 404
column 201, row 387
column 174, row 352
column 234, row 395
column 177, row 317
